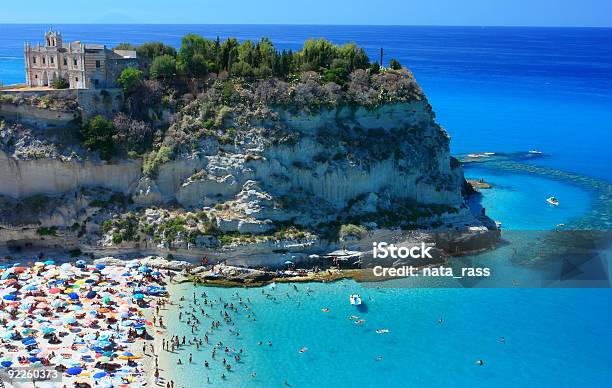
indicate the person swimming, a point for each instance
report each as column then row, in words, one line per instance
column 479, row 362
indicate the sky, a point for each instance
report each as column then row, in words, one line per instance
column 587, row 13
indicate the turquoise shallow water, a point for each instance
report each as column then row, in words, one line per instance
column 519, row 200
column 553, row 338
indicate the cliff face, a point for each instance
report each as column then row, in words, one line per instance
column 395, row 152
column 258, row 164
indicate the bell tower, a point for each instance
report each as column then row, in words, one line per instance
column 53, row 39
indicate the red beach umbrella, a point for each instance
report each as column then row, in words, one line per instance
column 54, row 290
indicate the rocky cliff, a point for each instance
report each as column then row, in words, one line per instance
column 246, row 167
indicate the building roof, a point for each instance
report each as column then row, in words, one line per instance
column 126, row 53
column 90, row 46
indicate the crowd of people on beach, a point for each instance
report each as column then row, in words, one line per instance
column 86, row 322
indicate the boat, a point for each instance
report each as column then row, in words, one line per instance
column 553, row 201
column 355, row 299
column 382, row 331
column 535, row 152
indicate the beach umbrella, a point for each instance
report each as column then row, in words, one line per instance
column 47, row 330
column 73, row 371
column 138, row 296
column 54, row 290
column 9, row 297
column 100, row 266
column 128, row 356
column 100, row 375
column 7, row 335
column 28, row 340
column 91, row 294
column 49, row 262
column 56, row 302
column 69, row 319
column 6, row 364
column 156, row 273
column 73, row 296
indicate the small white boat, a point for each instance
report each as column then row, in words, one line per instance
column 382, row 331
column 355, row 299
column 553, row 201
column 535, row 152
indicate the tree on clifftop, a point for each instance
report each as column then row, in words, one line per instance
column 130, row 79
column 163, row 67
column 394, row 64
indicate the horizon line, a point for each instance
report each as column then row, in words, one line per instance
column 307, row 24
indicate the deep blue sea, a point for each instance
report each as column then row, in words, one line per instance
column 493, row 89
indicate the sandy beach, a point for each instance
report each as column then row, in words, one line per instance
column 90, row 323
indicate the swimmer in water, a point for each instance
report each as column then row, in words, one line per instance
column 502, row 340
column 480, row 363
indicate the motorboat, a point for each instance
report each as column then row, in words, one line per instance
column 355, row 299
column 535, row 152
column 553, row 201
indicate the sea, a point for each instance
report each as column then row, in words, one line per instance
column 494, row 89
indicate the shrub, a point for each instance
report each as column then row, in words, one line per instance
column 163, row 67
column 42, row 231
column 60, row 83
column 352, row 230
column 156, row 159
column 129, row 79
column 394, row 64
column 98, row 136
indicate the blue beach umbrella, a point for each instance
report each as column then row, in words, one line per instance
column 6, row 364
column 138, row 296
column 100, row 375
column 100, row 266
column 73, row 296
column 144, row 269
column 91, row 295
column 49, row 262
column 74, row 371
column 9, row 297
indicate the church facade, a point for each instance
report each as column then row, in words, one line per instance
column 82, row 66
